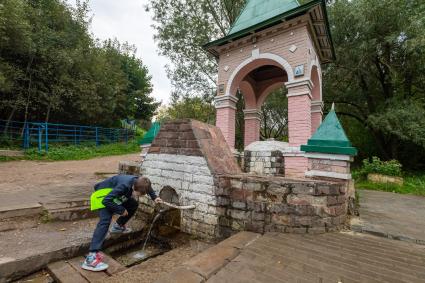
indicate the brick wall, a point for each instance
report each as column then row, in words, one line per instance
column 264, row 162
column 263, row 204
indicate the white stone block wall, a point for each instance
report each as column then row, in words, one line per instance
column 193, row 181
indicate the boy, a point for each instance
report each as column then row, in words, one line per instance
column 122, row 200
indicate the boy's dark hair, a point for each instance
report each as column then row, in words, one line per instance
column 142, row 185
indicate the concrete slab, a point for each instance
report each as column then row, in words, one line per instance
column 391, row 215
column 23, row 252
column 17, row 210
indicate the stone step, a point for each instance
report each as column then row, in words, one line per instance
column 45, row 250
column 20, row 216
column 70, row 271
column 71, row 214
column 66, row 204
column 72, row 210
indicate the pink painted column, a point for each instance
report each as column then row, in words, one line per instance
column 316, row 115
column 252, row 126
column 299, row 126
column 226, row 117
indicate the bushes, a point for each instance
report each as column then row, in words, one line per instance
column 81, row 152
column 390, row 168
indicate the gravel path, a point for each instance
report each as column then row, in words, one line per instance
column 35, row 181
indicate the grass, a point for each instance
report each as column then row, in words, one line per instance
column 80, row 152
column 414, row 183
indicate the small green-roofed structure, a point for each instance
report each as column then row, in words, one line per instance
column 151, row 134
column 258, row 11
column 330, row 138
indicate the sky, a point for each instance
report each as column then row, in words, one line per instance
column 128, row 21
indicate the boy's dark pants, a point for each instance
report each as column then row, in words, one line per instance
column 105, row 220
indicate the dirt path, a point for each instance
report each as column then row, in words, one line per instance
column 39, row 181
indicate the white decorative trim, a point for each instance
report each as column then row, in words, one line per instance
column 292, row 151
column 251, row 114
column 285, row 65
column 328, row 156
column 225, row 101
column 251, row 111
column 299, row 93
column 317, row 107
column 302, row 82
column 255, row 53
column 315, row 173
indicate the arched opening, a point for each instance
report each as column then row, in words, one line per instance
column 274, row 115
column 255, row 86
column 316, row 91
column 171, row 218
column 253, row 77
column 316, row 104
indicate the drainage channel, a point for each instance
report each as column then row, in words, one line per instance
column 157, row 241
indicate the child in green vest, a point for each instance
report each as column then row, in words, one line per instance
column 122, row 192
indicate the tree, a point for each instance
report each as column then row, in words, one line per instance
column 52, row 69
column 274, row 116
column 379, row 75
column 188, row 107
column 183, row 27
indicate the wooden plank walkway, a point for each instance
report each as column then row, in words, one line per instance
column 70, row 271
column 332, row 257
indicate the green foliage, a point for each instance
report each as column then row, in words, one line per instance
column 413, row 184
column 81, row 152
column 274, row 116
column 52, row 69
column 182, row 28
column 378, row 77
column 188, row 107
column 390, row 168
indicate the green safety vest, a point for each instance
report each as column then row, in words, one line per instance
column 97, row 197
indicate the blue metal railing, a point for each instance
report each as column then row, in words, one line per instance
column 32, row 134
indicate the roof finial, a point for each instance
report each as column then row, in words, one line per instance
column 333, row 106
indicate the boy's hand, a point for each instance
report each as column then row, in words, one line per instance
column 125, row 213
column 158, row 200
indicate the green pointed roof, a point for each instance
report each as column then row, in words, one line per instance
column 151, row 134
column 258, row 15
column 330, row 137
column 258, row 11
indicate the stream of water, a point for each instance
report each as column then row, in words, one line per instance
column 142, row 254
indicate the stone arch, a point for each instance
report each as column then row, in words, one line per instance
column 172, row 217
column 265, row 93
column 316, row 78
column 248, row 92
column 251, row 64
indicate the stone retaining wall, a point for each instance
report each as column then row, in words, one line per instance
column 263, row 204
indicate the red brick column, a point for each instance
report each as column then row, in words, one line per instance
column 316, row 115
column 299, row 125
column 252, row 126
column 226, row 117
